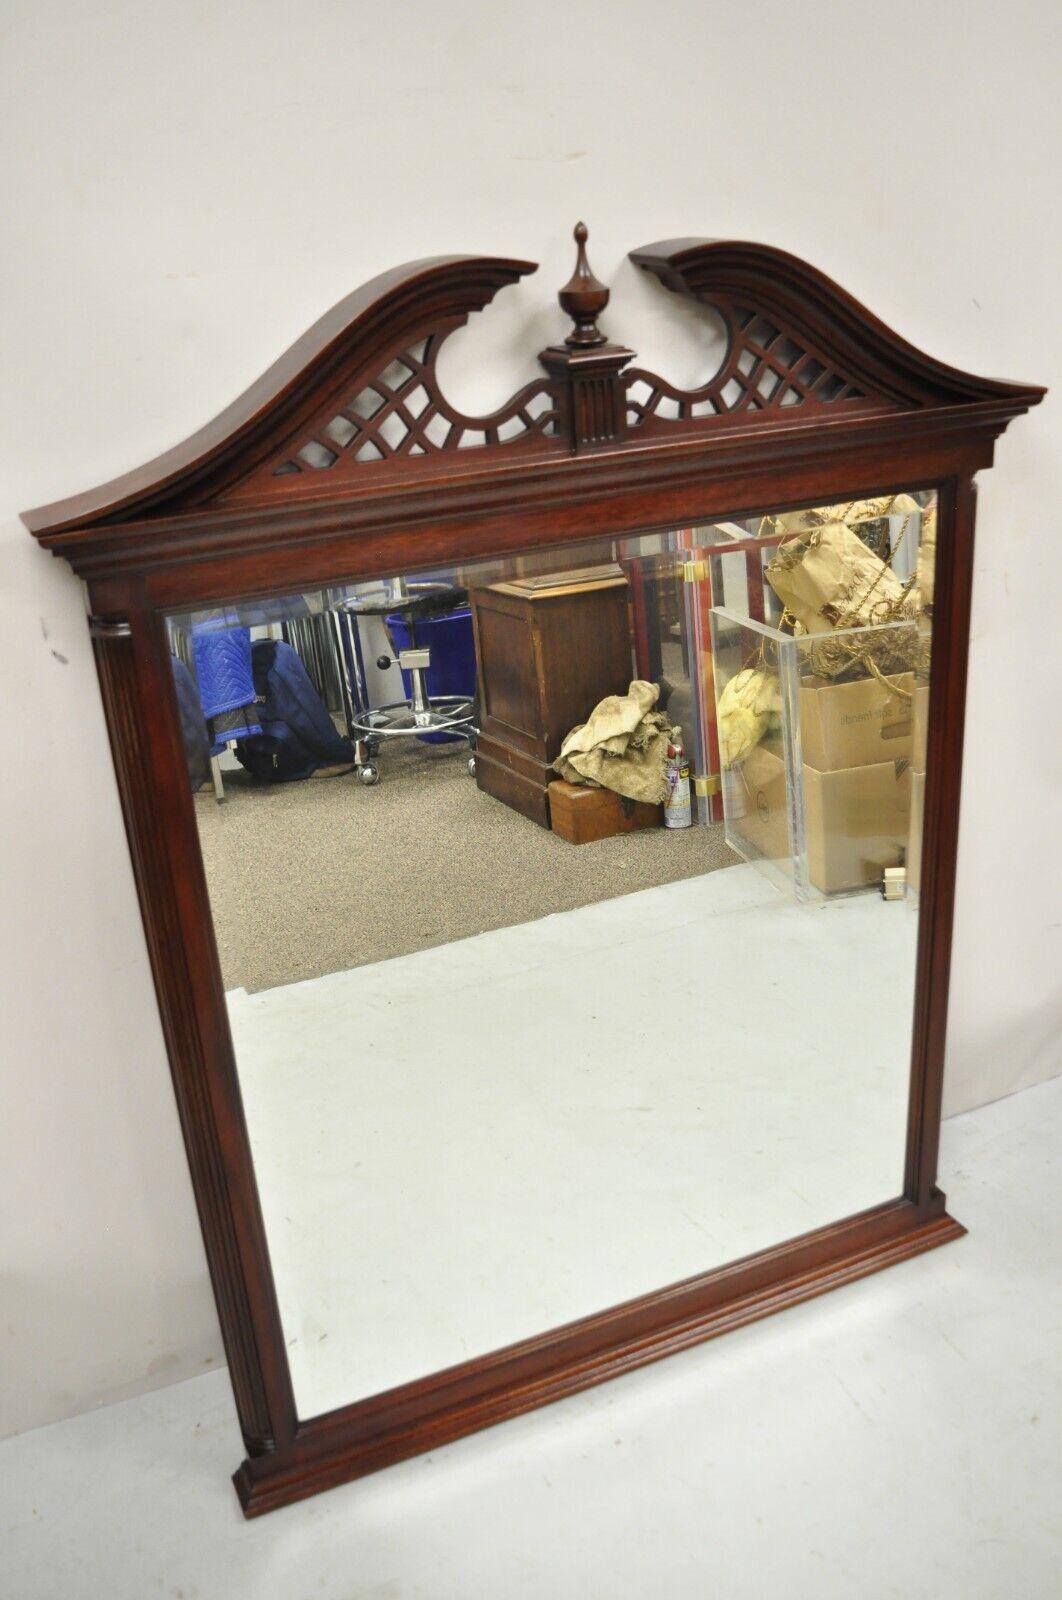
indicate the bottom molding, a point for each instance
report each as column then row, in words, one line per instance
column 265, row 1483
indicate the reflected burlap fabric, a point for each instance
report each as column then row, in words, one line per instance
column 622, row 746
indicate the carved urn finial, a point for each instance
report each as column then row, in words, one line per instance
column 583, row 297
column 585, row 371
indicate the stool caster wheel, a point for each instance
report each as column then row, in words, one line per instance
column 368, row 775
column 471, row 766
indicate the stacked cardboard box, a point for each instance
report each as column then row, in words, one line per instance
column 856, row 744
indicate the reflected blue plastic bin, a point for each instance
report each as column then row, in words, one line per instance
column 453, row 657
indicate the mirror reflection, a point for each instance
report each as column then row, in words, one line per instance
column 566, row 907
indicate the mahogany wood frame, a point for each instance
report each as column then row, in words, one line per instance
column 816, row 401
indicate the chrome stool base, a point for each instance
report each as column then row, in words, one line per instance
column 449, row 714
column 420, row 714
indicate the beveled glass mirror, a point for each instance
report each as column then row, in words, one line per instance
column 545, row 831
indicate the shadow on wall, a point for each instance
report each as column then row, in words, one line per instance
column 1041, row 1055
column 37, row 1306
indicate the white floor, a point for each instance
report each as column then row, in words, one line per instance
column 901, row 1437
column 463, row 1147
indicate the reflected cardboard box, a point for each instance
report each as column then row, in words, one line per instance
column 855, row 818
column 855, row 724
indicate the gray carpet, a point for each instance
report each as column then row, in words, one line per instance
column 309, row 878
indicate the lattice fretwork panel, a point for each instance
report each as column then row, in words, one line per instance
column 765, row 370
column 401, row 412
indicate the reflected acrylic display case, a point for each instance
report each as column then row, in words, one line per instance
column 725, row 563
column 816, row 738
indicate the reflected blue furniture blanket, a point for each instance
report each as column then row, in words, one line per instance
column 222, row 654
column 297, row 734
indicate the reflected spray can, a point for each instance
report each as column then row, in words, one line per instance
column 678, row 811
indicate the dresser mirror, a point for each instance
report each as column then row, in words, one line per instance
column 497, row 1079
column 545, row 828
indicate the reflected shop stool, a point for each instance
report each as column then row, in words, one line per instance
column 431, row 629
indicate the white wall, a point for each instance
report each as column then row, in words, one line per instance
column 187, row 187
